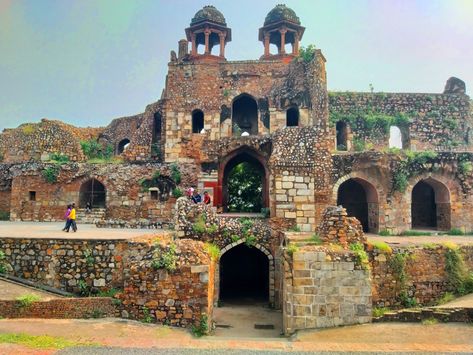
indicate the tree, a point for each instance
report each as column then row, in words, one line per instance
column 245, row 188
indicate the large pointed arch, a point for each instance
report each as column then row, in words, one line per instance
column 245, row 115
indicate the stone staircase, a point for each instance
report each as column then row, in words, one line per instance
column 96, row 215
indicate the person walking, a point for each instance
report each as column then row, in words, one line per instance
column 72, row 217
column 66, row 217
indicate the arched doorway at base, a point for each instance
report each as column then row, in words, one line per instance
column 244, row 275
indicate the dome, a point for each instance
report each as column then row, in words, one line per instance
column 281, row 13
column 208, row 13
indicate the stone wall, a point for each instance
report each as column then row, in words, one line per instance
column 439, row 122
column 61, row 308
column 36, row 141
column 177, row 297
column 323, row 288
column 426, row 277
column 76, row 266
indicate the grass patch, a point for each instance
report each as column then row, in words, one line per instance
column 455, row 231
column 108, row 293
column 27, row 300
column 412, row 233
column 447, row 297
column 384, row 233
column 430, row 321
column 380, row 311
column 292, row 248
column 316, row 239
column 430, row 245
column 382, row 247
column 40, row 341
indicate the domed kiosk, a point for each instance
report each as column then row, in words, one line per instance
column 208, row 27
column 281, row 27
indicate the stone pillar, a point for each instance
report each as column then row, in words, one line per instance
column 266, row 44
column 194, row 45
column 183, row 48
column 295, row 45
column 222, row 44
column 282, row 50
column 207, row 35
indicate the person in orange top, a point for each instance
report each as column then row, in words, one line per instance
column 72, row 218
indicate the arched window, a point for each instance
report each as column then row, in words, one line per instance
column 342, row 133
column 292, row 117
column 197, row 121
column 395, row 137
column 92, row 191
column 123, row 145
column 245, row 115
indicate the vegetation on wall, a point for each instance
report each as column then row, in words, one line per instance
column 94, row 150
column 411, row 164
column 459, row 279
column 245, row 188
column 360, row 254
column 3, row 263
column 51, row 173
column 307, row 53
column 165, row 257
column 398, row 263
column 176, row 173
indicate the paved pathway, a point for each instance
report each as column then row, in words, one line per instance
column 52, row 230
column 465, row 301
column 11, row 290
column 138, row 338
column 399, row 240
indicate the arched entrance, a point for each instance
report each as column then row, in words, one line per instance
column 360, row 199
column 430, row 205
column 243, row 177
column 92, row 191
column 244, row 275
column 245, row 115
column 123, row 145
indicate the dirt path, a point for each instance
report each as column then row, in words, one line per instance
column 378, row 337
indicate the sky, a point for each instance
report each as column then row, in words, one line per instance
column 86, row 62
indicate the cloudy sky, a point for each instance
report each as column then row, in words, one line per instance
column 88, row 61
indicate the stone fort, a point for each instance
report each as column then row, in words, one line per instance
column 394, row 161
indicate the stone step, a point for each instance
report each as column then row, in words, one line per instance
column 92, row 217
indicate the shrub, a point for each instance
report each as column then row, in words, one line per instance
column 360, row 254
column 147, row 318
column 51, row 173
column 89, row 259
column 294, row 228
column 359, row 144
column 457, row 274
column 234, row 238
column 25, row 301
column 84, row 288
column 382, row 247
column 455, row 231
column 316, row 239
column 59, row 158
column 384, row 233
column 250, row 240
column 292, row 248
column 465, row 167
column 307, row 53
column 203, row 327
column 380, row 311
column 446, row 297
column 108, row 293
column 213, row 250
column 176, row 173
column 94, row 150
column 177, row 192
column 165, row 257
column 413, row 233
column 3, row 263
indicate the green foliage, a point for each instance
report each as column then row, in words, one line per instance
column 412, row 164
column 147, row 318
column 236, row 130
column 315, row 239
column 430, row 321
column 108, row 293
column 250, row 240
column 360, row 254
column 292, row 248
column 25, row 301
column 40, row 341
column 294, row 228
column 455, row 231
column 200, row 225
column 430, row 245
column 156, row 150
column 384, row 233
column 234, row 238
column 398, row 264
column 176, row 173
column 4, row 216
column 165, row 257
column 203, row 327
column 380, row 311
column 84, row 288
column 177, row 192
column 3, row 263
column 458, row 277
column 406, row 300
column 94, row 150
column 382, row 247
column 414, row 233
column 89, row 259
column 245, row 188
column 213, row 250
column 265, row 211
column 28, row 129
column 465, row 167
column 307, row 53
column 225, row 92
column 446, row 297
column 59, row 158
column 51, row 173
column 359, row 144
